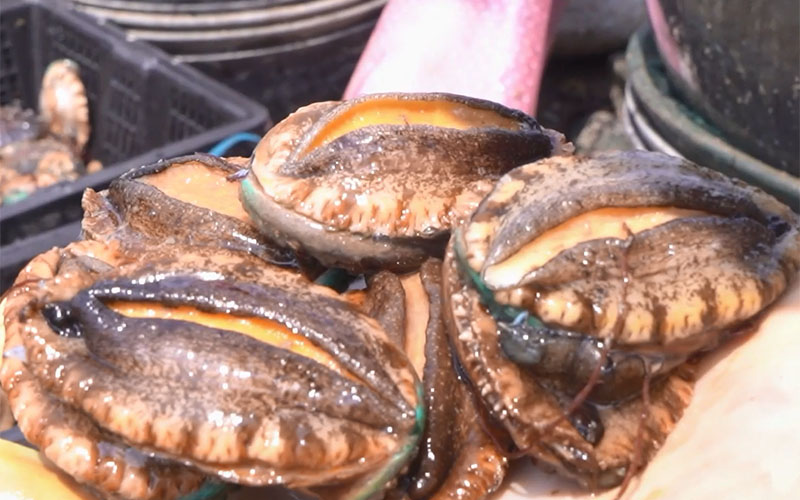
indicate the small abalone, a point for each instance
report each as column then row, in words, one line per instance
column 39, row 151
column 186, row 200
column 64, row 105
column 30, row 165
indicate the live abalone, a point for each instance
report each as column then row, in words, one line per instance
column 377, row 182
column 580, row 286
column 200, row 362
column 181, row 200
column 179, row 345
column 37, row 151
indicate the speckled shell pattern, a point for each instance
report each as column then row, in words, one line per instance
column 688, row 279
column 64, row 105
column 127, row 212
column 532, row 411
column 457, row 460
column 382, row 196
column 65, row 435
column 222, row 403
column 675, row 288
column 336, row 395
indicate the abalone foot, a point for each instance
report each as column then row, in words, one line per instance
column 99, row 460
column 198, row 395
column 533, row 413
column 185, row 200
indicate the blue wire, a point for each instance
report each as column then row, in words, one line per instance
column 225, row 144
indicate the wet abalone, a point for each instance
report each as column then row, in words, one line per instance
column 177, row 346
column 37, row 151
column 580, row 286
column 187, row 200
column 376, row 182
column 199, row 361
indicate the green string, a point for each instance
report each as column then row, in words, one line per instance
column 209, row 491
column 500, row 312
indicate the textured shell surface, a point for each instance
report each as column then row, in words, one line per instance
column 192, row 356
column 64, row 105
column 377, row 182
column 588, row 280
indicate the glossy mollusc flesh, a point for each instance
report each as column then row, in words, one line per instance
column 377, row 182
column 502, row 298
column 580, row 287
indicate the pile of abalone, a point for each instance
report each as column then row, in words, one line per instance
column 39, row 150
column 491, row 296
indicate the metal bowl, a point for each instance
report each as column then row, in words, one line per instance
column 186, row 5
column 221, row 16
column 283, row 53
column 288, row 76
column 226, row 38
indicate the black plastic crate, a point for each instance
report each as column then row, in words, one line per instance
column 143, row 108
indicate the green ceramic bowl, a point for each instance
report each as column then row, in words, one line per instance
column 679, row 126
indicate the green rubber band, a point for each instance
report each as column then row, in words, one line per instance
column 500, row 312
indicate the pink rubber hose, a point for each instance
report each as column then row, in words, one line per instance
column 492, row 49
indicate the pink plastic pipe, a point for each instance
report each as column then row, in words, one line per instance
column 492, row 49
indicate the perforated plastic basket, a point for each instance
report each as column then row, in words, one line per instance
column 143, row 108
